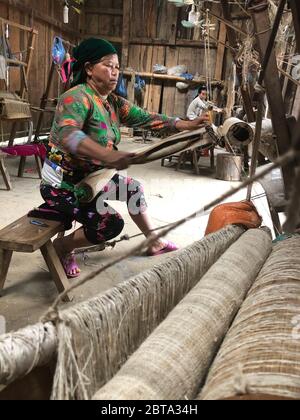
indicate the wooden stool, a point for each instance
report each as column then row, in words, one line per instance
column 22, row 236
column 4, row 171
column 193, row 155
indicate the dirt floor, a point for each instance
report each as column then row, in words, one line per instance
column 29, row 290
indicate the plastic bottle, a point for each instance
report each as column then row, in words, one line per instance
column 66, row 14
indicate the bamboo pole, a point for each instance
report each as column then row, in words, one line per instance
column 196, row 80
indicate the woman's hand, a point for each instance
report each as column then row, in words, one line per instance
column 109, row 158
column 199, row 122
column 117, row 160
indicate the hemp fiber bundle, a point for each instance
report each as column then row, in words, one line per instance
column 23, row 350
column 98, row 336
column 172, row 363
column 260, row 356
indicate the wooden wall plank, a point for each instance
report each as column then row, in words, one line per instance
column 169, row 90
column 42, row 54
column 155, row 89
column 153, row 22
column 220, row 52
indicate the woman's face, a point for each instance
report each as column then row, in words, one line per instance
column 105, row 74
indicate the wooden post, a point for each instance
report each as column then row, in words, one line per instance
column 24, row 74
column 233, row 41
column 5, row 259
column 126, row 32
column 131, row 88
column 5, row 173
column 220, row 52
column 56, row 269
column 44, row 101
column 30, row 51
column 262, row 25
column 295, row 7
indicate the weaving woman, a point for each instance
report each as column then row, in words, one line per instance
column 84, row 139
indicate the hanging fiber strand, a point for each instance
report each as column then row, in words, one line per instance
column 172, row 363
column 22, row 351
column 260, row 354
column 8, row 371
column 282, row 161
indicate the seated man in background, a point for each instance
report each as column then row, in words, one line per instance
column 199, row 105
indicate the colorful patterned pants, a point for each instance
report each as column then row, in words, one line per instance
column 99, row 220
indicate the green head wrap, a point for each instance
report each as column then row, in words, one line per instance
column 90, row 50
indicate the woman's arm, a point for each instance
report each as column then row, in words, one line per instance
column 183, row 125
column 110, row 158
column 133, row 116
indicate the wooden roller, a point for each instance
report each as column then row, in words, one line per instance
column 174, row 144
column 260, row 356
column 173, row 361
column 95, row 182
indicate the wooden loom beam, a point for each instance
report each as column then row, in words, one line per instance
column 233, row 41
column 262, row 25
column 196, row 80
column 295, row 8
column 126, row 31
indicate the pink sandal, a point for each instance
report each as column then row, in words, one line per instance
column 69, row 263
column 170, row 247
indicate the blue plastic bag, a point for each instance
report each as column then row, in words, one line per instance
column 140, row 84
column 58, row 51
column 121, row 88
column 139, row 89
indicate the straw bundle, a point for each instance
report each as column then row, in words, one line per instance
column 260, row 357
column 172, row 363
column 21, row 351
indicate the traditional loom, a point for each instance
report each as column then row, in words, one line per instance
column 12, row 107
column 93, row 184
column 158, row 335
column 237, row 133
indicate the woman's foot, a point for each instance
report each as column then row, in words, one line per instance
column 162, row 247
column 68, row 260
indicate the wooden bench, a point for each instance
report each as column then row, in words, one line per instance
column 23, row 236
column 4, row 171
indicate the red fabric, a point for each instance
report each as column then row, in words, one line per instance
column 26, row 150
column 241, row 213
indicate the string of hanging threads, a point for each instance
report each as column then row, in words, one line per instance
column 282, row 161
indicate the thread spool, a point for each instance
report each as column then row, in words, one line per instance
column 237, row 132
